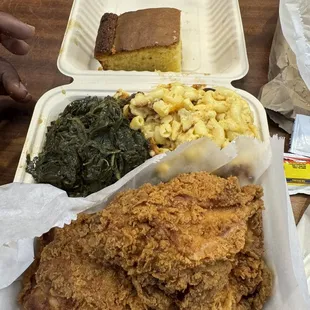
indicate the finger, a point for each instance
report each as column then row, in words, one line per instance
column 11, row 84
column 15, row 46
column 12, row 27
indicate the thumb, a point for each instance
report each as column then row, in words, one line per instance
column 10, row 83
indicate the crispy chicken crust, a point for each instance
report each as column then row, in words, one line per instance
column 195, row 242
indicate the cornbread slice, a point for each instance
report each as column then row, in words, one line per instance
column 143, row 40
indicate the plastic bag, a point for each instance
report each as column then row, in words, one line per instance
column 295, row 23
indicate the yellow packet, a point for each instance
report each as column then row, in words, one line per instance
column 297, row 169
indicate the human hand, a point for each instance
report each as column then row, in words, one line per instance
column 13, row 32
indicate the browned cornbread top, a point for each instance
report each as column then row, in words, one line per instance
column 147, row 28
column 137, row 30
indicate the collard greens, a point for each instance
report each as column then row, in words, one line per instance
column 89, row 147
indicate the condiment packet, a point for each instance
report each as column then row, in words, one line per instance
column 300, row 140
column 297, row 173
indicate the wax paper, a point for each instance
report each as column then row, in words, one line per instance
column 29, row 210
column 283, row 254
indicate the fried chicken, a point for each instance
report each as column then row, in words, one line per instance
column 195, row 242
column 65, row 278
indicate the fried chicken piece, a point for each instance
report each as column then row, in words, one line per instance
column 251, row 278
column 75, row 283
column 29, row 280
column 168, row 230
column 154, row 298
column 68, row 279
column 195, row 243
column 250, row 281
column 208, row 278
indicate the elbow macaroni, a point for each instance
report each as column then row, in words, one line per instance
column 175, row 130
column 137, row 123
column 200, row 129
column 161, row 108
column 165, row 130
column 172, row 114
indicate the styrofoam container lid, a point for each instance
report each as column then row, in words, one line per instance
column 211, row 32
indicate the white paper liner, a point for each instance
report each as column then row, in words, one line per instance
column 303, row 230
column 283, row 254
column 30, row 210
column 282, row 249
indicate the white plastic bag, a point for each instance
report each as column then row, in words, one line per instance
column 295, row 23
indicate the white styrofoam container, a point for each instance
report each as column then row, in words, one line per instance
column 214, row 53
column 54, row 102
column 213, row 43
column 211, row 33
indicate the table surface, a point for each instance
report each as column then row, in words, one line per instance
column 39, row 70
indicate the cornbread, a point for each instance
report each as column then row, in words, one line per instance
column 143, row 40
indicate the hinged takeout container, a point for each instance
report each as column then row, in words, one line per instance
column 211, row 34
column 214, row 53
